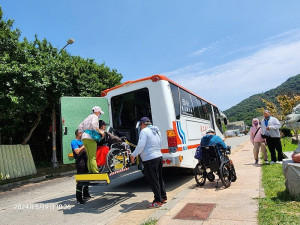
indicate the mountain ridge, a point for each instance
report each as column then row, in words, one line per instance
column 246, row 109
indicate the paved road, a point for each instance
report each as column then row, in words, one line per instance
column 53, row 201
column 236, row 141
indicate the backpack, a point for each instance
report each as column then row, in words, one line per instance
column 198, row 153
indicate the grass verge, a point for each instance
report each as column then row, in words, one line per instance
column 278, row 206
column 150, row 222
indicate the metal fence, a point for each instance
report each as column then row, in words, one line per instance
column 16, row 161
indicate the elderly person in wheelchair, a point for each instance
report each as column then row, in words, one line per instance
column 213, row 158
column 213, row 140
column 111, row 151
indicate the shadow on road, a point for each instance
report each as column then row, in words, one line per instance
column 120, row 190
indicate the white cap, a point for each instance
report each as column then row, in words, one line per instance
column 97, row 109
column 210, row 130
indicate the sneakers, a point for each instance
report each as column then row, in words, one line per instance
column 256, row 161
column 80, row 202
column 164, row 201
column 272, row 162
column 267, row 162
column 155, row 205
column 279, row 162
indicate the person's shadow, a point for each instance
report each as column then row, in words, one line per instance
column 96, row 205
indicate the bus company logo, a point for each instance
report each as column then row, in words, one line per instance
column 181, row 135
column 186, row 107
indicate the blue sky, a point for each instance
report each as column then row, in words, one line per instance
column 224, row 51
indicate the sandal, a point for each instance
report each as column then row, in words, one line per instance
column 154, row 205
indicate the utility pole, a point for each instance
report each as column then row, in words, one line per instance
column 53, row 117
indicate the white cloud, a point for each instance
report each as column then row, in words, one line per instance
column 211, row 47
column 199, row 52
column 228, row 84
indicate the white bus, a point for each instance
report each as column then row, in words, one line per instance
column 181, row 116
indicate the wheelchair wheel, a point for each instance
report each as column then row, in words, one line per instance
column 101, row 168
column 225, row 174
column 115, row 160
column 200, row 174
column 233, row 174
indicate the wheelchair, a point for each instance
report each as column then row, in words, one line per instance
column 211, row 163
column 118, row 157
column 115, row 158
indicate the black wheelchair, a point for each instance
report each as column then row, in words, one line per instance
column 211, row 163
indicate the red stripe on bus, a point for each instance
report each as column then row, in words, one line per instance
column 176, row 133
column 164, row 150
column 193, row 146
column 179, row 148
column 154, row 78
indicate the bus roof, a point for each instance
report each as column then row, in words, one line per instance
column 154, row 78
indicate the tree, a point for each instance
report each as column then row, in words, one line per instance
column 34, row 75
column 286, row 105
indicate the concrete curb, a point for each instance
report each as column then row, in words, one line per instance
column 36, row 179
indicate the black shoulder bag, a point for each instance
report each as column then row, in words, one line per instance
column 256, row 132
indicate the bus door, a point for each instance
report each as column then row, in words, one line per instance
column 73, row 111
column 128, row 109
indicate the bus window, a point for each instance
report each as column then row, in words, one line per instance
column 205, row 110
column 186, row 103
column 196, row 106
column 175, row 95
column 129, row 108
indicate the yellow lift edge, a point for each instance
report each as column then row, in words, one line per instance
column 93, row 179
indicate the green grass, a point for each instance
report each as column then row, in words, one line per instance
column 149, row 222
column 278, row 206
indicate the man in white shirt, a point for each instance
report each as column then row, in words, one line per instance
column 270, row 130
column 149, row 149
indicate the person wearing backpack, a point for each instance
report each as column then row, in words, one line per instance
column 257, row 141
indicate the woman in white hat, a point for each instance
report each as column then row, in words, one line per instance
column 91, row 134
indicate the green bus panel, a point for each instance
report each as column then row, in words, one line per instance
column 73, row 111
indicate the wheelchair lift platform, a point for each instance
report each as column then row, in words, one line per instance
column 95, row 179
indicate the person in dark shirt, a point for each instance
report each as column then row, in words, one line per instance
column 211, row 139
column 82, row 192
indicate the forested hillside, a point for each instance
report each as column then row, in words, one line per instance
column 246, row 109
